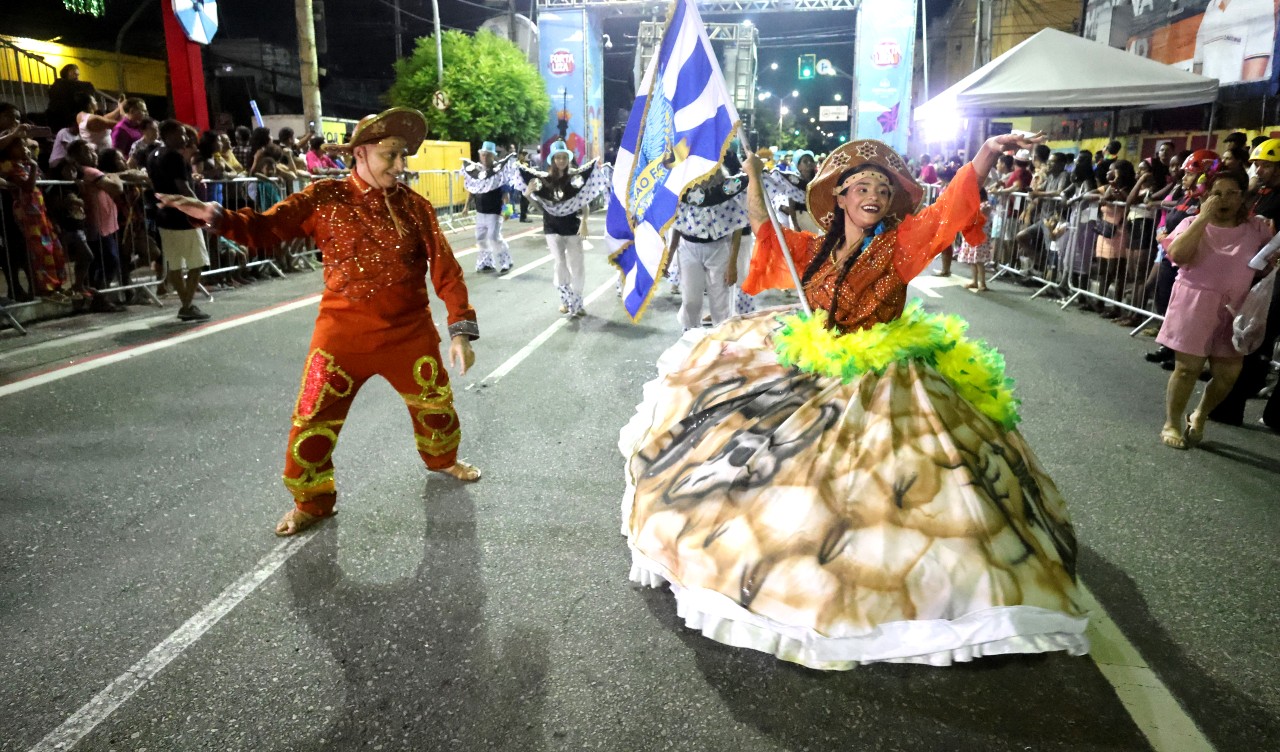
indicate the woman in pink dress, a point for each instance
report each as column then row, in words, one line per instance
column 1212, row 251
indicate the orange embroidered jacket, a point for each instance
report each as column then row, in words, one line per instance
column 875, row 290
column 378, row 248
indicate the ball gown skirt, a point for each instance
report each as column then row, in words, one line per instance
column 835, row 521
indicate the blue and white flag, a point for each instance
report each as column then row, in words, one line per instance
column 680, row 126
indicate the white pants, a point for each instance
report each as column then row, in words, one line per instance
column 742, row 302
column 494, row 251
column 702, row 268
column 566, row 250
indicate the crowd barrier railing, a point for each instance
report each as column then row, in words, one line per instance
column 444, row 189
column 1104, row 256
column 137, row 268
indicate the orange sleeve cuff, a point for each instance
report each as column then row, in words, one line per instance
column 768, row 267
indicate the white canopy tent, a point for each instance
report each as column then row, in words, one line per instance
column 1054, row 72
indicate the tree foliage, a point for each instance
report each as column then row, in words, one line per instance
column 495, row 93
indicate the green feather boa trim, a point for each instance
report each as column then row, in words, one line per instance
column 974, row 369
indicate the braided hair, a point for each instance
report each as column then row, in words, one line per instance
column 835, row 238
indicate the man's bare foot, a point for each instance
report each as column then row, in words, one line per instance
column 462, row 471
column 295, row 521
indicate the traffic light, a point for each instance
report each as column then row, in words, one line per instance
column 808, row 67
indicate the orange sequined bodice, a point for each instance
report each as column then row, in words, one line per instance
column 875, row 289
column 871, row 293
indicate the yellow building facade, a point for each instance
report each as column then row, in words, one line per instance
column 109, row 72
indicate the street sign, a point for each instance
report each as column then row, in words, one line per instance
column 440, row 100
column 825, row 68
column 833, row 113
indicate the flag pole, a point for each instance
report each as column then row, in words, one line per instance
column 777, row 228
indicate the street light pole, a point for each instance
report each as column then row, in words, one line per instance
column 435, row 12
column 395, row 5
column 309, row 66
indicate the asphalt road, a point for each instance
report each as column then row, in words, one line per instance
column 431, row 615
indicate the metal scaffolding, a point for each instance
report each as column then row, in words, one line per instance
column 641, row 7
column 738, row 62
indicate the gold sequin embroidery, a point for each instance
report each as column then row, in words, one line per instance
column 314, row 481
column 434, row 400
column 323, row 381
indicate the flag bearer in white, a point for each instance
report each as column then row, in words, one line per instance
column 485, row 180
column 708, row 237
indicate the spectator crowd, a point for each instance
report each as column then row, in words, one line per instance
column 77, row 200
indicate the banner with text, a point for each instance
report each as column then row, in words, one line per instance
column 572, row 65
column 883, row 55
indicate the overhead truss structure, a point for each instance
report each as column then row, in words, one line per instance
column 641, row 7
column 737, row 57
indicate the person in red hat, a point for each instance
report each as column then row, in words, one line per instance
column 380, row 242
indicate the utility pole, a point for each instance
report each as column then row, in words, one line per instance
column 977, row 34
column 435, row 13
column 924, row 48
column 309, row 67
column 395, row 4
column 511, row 21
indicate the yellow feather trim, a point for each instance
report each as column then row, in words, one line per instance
column 973, row 368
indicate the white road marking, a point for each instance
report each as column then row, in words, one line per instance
column 138, row 325
column 537, row 341
column 526, row 268
column 126, row 685
column 476, row 248
column 928, row 285
column 1150, row 703
column 49, row 377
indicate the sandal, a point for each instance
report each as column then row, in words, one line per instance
column 295, row 521
column 1193, row 436
column 463, row 471
column 1171, row 438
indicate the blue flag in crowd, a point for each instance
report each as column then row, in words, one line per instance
column 679, row 128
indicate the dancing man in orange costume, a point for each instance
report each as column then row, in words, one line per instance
column 380, row 240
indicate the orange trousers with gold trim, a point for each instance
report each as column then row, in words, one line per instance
column 330, row 382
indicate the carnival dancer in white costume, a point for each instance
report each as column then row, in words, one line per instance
column 787, row 188
column 706, row 246
column 485, row 180
column 705, row 239
column 565, row 195
column 849, row 486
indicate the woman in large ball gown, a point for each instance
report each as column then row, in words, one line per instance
column 848, row 487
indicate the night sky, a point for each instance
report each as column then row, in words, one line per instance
column 361, row 38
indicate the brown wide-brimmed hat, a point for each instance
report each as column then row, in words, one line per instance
column 401, row 122
column 907, row 192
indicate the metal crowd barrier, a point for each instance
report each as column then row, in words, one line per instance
column 444, row 189
column 139, row 249
column 1102, row 254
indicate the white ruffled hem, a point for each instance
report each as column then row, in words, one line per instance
column 637, row 428
column 933, row 642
